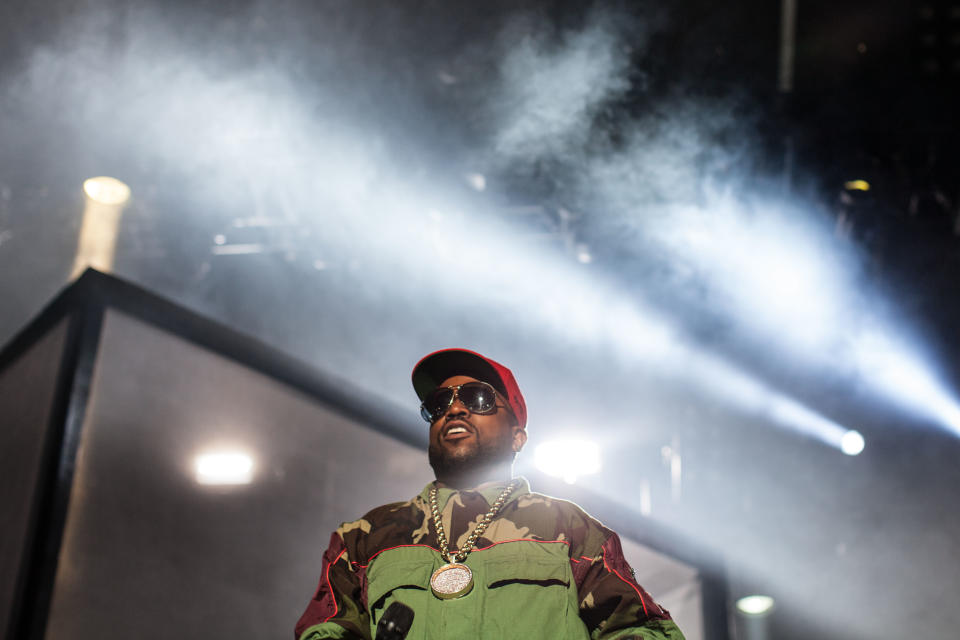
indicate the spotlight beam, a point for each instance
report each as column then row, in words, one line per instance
column 897, row 370
column 582, row 307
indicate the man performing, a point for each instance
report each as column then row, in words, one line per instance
column 476, row 554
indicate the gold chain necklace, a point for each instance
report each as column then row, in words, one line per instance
column 455, row 579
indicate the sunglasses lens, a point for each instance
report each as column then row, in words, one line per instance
column 478, row 397
column 435, row 404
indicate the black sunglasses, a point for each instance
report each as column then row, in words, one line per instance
column 477, row 397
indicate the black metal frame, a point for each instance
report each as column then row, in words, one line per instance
column 48, row 515
column 84, row 305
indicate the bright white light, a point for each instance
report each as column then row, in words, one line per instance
column 237, row 249
column 755, row 605
column 581, row 308
column 97, row 242
column 772, row 270
column 753, row 395
column 852, row 443
column 896, row 370
column 106, row 190
column 224, row 468
column 477, row 180
column 568, row 459
column 790, row 412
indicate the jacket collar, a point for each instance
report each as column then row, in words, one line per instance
column 489, row 491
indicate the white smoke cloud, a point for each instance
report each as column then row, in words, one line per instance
column 236, row 127
column 551, row 90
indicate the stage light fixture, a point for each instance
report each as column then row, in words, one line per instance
column 106, row 190
column 568, row 458
column 755, row 605
column 852, row 443
column 856, row 185
column 96, row 246
column 224, row 468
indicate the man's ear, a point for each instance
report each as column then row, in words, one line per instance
column 519, row 438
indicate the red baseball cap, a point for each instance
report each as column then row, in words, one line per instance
column 446, row 363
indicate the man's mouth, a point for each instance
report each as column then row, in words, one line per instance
column 456, row 431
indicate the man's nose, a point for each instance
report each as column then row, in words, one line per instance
column 457, row 408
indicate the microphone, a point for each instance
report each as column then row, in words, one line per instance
column 395, row 623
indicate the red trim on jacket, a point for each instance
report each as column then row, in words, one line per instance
column 323, row 606
column 612, row 546
column 330, row 586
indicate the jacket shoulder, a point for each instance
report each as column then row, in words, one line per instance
column 376, row 517
column 562, row 520
column 388, row 525
column 565, row 508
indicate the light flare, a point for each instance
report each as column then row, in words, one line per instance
column 569, row 458
column 224, row 467
column 97, row 242
column 897, row 370
column 755, row 605
column 852, row 443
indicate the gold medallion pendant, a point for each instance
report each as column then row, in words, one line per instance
column 455, row 579
column 452, row 580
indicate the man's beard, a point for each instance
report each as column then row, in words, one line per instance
column 467, row 463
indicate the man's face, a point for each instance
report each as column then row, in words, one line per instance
column 464, row 442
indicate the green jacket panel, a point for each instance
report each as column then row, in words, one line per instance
column 522, row 589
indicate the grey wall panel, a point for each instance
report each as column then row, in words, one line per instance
column 149, row 553
column 27, row 389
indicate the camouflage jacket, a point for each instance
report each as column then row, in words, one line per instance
column 542, row 569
